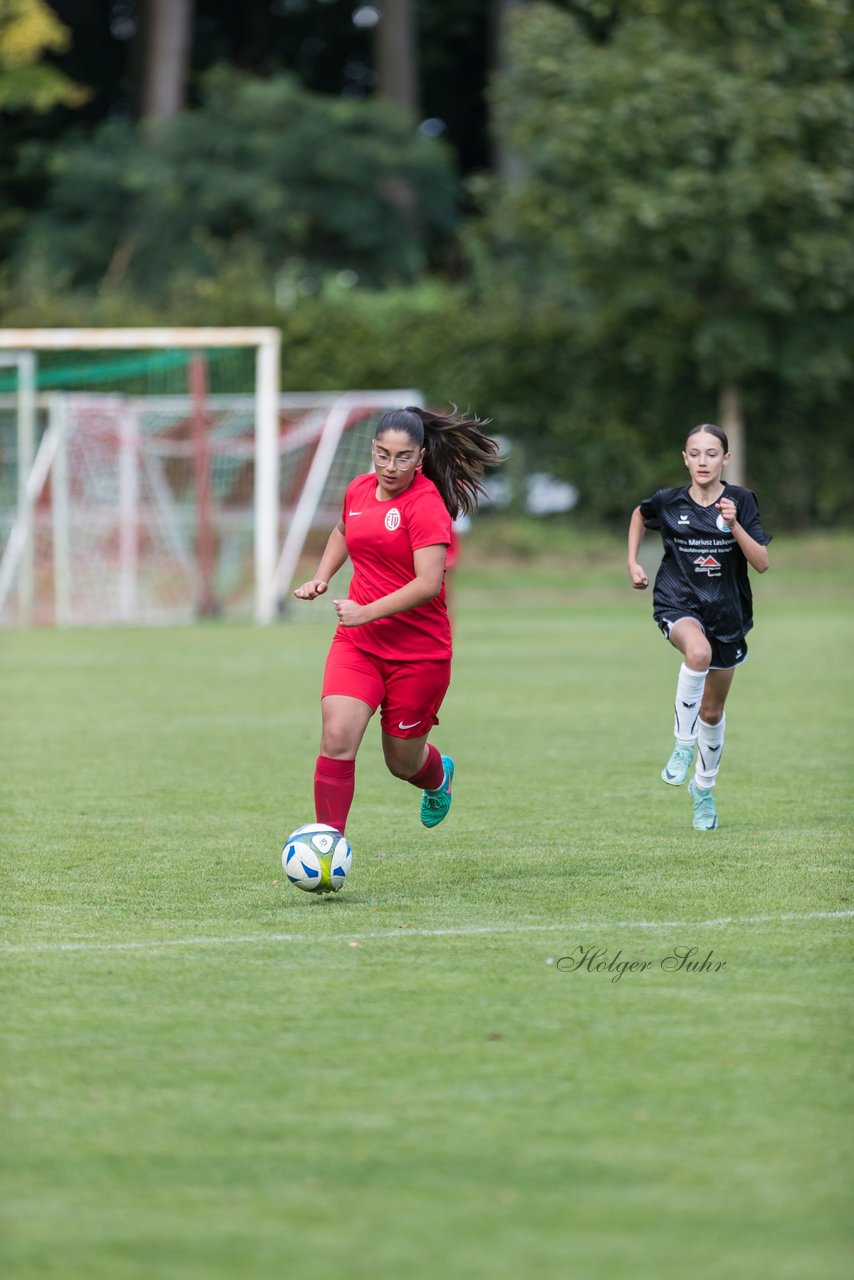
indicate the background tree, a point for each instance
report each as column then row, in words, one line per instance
column 28, row 30
column 316, row 41
column 108, row 46
column 32, row 92
column 162, row 49
column 671, row 238
column 293, row 184
column 396, row 55
column 688, row 192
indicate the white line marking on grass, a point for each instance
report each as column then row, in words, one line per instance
column 473, row 931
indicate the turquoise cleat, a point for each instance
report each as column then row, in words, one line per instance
column 705, row 813
column 435, row 804
column 676, row 770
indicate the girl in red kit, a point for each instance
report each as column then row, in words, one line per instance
column 392, row 647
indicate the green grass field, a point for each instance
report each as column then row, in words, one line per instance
column 208, row 1075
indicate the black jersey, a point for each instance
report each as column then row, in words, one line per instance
column 704, row 570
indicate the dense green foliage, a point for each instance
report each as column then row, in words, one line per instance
column 29, row 28
column 686, row 188
column 300, row 181
column 676, row 221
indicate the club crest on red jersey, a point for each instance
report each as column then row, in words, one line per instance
column 392, row 519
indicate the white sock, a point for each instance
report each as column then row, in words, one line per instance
column 710, row 748
column 689, row 695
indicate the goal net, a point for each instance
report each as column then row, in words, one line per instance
column 145, row 486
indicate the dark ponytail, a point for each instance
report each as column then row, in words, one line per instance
column 456, row 456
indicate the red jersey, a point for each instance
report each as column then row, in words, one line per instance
column 381, row 538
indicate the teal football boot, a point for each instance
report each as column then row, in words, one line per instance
column 435, row 804
column 676, row 770
column 705, row 813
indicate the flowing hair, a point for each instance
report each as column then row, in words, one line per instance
column 456, row 456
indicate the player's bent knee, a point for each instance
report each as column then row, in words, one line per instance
column 698, row 656
column 402, row 763
column 338, row 745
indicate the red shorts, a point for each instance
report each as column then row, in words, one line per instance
column 410, row 693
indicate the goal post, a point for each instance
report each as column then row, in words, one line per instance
column 24, row 364
column 152, row 476
column 17, row 556
column 266, row 342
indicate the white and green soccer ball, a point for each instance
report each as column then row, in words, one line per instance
column 317, row 858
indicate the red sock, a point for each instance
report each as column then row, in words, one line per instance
column 334, row 784
column 432, row 773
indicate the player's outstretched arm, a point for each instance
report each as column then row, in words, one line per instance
column 637, row 529
column 334, row 555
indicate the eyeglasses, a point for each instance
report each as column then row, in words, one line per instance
column 389, row 463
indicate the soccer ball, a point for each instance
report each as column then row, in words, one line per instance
column 317, row 858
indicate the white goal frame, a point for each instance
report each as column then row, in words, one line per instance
column 267, row 345
column 327, row 418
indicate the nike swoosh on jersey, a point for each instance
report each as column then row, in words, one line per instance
column 401, row 725
column 354, row 513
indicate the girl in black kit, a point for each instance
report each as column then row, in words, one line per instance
column 702, row 601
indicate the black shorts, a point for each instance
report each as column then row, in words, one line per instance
column 725, row 654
